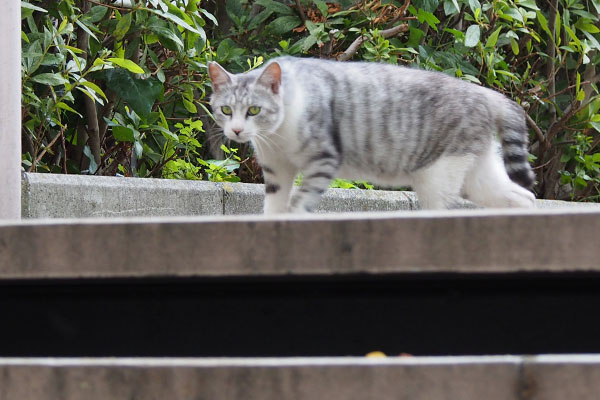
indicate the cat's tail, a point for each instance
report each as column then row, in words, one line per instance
column 514, row 138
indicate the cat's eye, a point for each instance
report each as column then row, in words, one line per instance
column 254, row 110
column 226, row 110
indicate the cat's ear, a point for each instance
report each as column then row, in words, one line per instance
column 271, row 77
column 218, row 76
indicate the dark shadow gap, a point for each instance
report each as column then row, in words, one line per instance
column 434, row 314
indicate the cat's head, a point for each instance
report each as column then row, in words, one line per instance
column 248, row 105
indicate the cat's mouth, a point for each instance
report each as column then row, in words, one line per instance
column 240, row 138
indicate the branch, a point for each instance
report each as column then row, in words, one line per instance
column 353, row 48
column 49, row 145
column 558, row 125
column 83, row 41
column 551, row 51
column 537, row 130
column 301, row 11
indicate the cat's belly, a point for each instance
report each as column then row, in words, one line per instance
column 380, row 178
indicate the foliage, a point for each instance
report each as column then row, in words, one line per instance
column 541, row 54
column 111, row 90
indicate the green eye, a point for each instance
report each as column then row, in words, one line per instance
column 254, row 110
column 226, row 110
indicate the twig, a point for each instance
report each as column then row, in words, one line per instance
column 64, row 149
column 545, row 164
column 43, row 152
column 536, row 129
column 551, row 51
column 301, row 11
column 559, row 124
column 109, row 5
column 353, row 48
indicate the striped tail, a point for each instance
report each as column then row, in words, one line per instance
column 515, row 141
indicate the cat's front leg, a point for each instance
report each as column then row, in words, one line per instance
column 278, row 185
column 318, row 173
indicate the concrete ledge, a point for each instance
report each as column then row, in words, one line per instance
column 77, row 196
column 466, row 241
column 414, row 378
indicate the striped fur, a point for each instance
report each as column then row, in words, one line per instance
column 387, row 124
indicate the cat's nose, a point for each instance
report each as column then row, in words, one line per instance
column 237, row 131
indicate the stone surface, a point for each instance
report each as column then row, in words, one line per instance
column 560, row 377
column 349, row 378
column 242, row 198
column 490, row 378
column 78, row 196
column 343, row 200
column 470, row 241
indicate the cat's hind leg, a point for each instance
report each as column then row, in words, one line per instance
column 487, row 183
column 438, row 185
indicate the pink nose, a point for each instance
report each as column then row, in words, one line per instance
column 237, row 131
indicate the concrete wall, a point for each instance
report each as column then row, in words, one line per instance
column 408, row 378
column 10, row 109
column 466, row 241
column 78, row 196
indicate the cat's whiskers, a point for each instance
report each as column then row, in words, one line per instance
column 263, row 141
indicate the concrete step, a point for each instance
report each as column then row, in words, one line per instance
column 205, row 284
column 460, row 241
column 394, row 378
column 78, row 196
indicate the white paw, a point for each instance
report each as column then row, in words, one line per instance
column 520, row 197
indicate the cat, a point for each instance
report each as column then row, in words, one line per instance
column 382, row 123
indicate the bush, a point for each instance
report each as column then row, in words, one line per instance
column 134, row 100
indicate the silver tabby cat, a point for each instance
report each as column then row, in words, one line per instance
column 386, row 124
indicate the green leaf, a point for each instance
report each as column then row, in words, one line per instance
column 514, row 46
column 93, row 166
column 175, row 19
column 573, row 36
column 591, row 28
column 31, row 6
column 64, row 106
column 528, row 4
column 167, row 34
column 85, row 28
column 139, row 93
column 122, row 26
column 166, row 133
column 127, row 64
column 259, row 19
column 190, row 106
column 284, row 24
column 275, row 6
column 210, row 16
column 493, row 39
column 94, row 87
column 52, row 79
column 123, row 133
column 96, row 13
column 139, row 149
column 426, row 16
column 512, row 13
column 472, row 36
column 580, row 95
column 544, row 23
column 565, row 158
column 322, row 6
column 234, row 8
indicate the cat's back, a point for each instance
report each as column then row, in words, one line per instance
column 379, row 80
